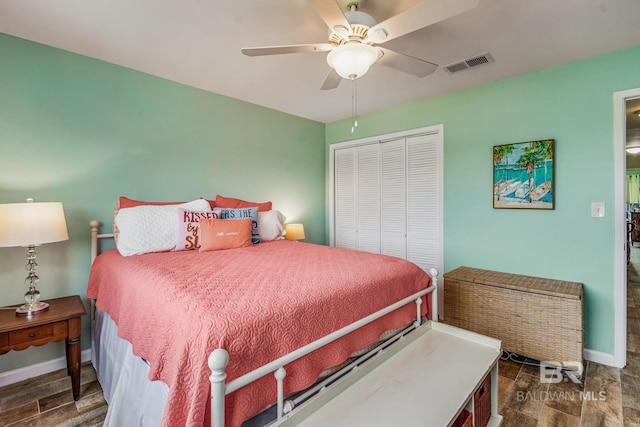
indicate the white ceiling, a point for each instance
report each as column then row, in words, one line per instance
column 197, row 42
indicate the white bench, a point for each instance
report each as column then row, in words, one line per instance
column 426, row 379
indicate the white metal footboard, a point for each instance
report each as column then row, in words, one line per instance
column 219, row 358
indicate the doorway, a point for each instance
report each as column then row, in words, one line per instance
column 623, row 115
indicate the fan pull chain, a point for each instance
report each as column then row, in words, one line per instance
column 354, row 103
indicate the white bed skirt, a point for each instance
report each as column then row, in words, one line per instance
column 133, row 399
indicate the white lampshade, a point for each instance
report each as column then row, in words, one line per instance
column 294, row 231
column 24, row 224
column 352, row 60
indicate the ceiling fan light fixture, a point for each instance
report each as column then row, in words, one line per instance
column 633, row 140
column 352, row 60
column 633, row 149
column 378, row 35
column 341, row 30
column 355, row 17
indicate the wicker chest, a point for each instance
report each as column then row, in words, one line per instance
column 534, row 317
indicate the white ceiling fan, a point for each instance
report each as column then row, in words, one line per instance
column 354, row 37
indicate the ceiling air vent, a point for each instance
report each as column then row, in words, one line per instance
column 484, row 58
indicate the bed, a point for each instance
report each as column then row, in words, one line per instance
column 160, row 315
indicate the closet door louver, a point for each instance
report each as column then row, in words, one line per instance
column 423, row 210
column 345, row 198
column 393, row 225
column 368, row 198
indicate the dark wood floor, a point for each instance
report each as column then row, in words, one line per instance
column 47, row 401
column 610, row 397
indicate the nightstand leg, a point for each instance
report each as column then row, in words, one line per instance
column 73, row 355
column 66, row 350
column 73, row 365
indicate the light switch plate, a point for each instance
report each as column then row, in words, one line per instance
column 597, row 209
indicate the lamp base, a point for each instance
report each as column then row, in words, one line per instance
column 32, row 309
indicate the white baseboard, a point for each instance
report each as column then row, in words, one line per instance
column 599, row 357
column 31, row 371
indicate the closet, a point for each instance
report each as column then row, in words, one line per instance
column 386, row 195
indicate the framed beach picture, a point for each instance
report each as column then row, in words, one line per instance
column 523, row 175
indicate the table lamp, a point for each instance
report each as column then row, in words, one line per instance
column 294, row 232
column 29, row 225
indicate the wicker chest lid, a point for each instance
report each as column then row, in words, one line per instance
column 552, row 287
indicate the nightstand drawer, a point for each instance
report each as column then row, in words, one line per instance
column 37, row 333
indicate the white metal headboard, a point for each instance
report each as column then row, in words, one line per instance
column 95, row 237
column 95, row 227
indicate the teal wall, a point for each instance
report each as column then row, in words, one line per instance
column 83, row 132
column 572, row 104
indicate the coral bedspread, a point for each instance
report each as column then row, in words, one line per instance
column 258, row 303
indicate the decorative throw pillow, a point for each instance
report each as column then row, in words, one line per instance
column 271, row 225
column 125, row 202
column 230, row 202
column 188, row 234
column 151, row 228
column 218, row 234
column 242, row 213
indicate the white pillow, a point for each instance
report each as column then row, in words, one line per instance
column 271, row 225
column 150, row 228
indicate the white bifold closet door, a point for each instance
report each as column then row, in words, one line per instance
column 345, row 199
column 387, row 198
column 368, row 198
column 357, row 195
column 424, row 210
column 393, row 225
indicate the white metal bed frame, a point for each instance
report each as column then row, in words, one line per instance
column 219, row 358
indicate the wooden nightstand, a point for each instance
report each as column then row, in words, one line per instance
column 61, row 321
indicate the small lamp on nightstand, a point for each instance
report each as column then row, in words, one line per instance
column 294, row 232
column 29, row 225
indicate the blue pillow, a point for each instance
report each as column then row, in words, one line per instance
column 225, row 213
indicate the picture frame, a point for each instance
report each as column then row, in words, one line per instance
column 523, row 175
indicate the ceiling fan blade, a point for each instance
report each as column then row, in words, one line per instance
column 332, row 81
column 331, row 13
column 408, row 64
column 278, row 50
column 422, row 15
